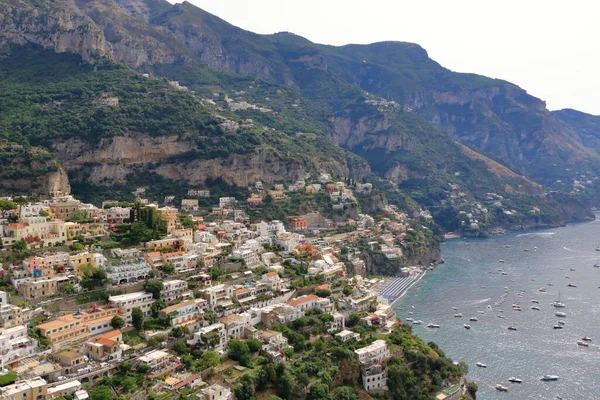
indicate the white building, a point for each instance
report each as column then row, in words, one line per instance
column 173, row 289
column 226, row 201
column 15, row 343
column 215, row 392
column 124, row 271
column 248, row 255
column 346, row 335
column 376, row 352
column 270, row 229
column 130, row 301
column 218, row 294
column 212, row 336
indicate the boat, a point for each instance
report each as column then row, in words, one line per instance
column 433, row 326
column 409, row 319
column 481, row 312
column 582, row 343
column 473, row 319
column 504, row 273
column 480, row 364
column 467, row 326
column 548, row 378
column 535, row 308
column 557, row 326
column 419, row 322
column 454, row 308
column 515, row 380
column 501, row 316
column 571, row 285
column 586, row 339
column 525, row 249
column 512, row 328
column 541, row 289
column 571, row 269
column 501, row 261
column 549, row 284
column 459, row 315
column 597, row 265
column 560, row 314
column 561, row 322
column 558, row 303
column 501, row 388
column 535, row 301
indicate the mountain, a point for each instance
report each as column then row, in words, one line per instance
column 435, row 133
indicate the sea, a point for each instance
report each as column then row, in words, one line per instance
column 538, row 265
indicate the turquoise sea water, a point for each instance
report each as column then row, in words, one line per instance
column 470, row 280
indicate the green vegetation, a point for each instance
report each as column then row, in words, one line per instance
column 7, row 379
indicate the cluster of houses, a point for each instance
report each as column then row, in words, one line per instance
column 78, row 344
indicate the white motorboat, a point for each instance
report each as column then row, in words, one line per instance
column 512, row 328
column 561, row 322
column 459, row 315
column 586, row 339
column 474, row 319
column 535, row 308
column 480, row 364
column 467, row 326
column 571, row 285
column 433, row 326
column 501, row 388
column 535, row 301
column 419, row 322
column 560, row 314
column 582, row 343
column 557, row 326
column 515, row 380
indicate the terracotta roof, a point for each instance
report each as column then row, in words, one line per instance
column 272, row 273
column 240, row 291
column 230, row 318
column 302, row 300
column 176, row 307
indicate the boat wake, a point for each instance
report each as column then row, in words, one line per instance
column 568, row 249
column 475, row 302
column 537, row 234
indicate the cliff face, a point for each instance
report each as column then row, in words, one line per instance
column 111, row 161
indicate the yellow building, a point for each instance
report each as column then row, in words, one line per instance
column 64, row 210
column 29, row 389
column 75, row 328
column 169, row 214
column 78, row 261
column 36, row 232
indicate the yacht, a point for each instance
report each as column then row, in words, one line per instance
column 480, row 364
column 557, row 326
column 586, row 339
column 474, row 319
column 433, row 326
column 571, row 285
column 467, row 326
column 560, row 314
column 535, row 308
column 558, row 303
column 515, row 380
column 501, row 388
column 512, row 328
column 548, row 378
column 459, row 315
column 582, row 343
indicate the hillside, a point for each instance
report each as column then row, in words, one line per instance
column 386, row 103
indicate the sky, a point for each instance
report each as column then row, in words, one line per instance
column 549, row 48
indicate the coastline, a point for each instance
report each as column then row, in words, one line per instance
column 409, row 287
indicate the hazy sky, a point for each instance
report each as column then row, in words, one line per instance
column 550, row 48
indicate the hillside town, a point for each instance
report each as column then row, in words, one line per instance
column 185, row 300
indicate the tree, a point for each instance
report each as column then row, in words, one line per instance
column 209, row 359
column 101, row 392
column 344, row 393
column 143, row 368
column 210, row 316
column 69, row 288
column 44, row 213
column 286, row 385
column 215, row 273
column 319, row 391
column 323, row 292
column 154, row 286
column 117, row 322
column 239, row 351
column 254, row 345
column 7, row 205
column 93, row 278
column 168, row 268
column 137, row 318
column 353, row 319
column 181, row 347
column 179, row 332
column 19, row 246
